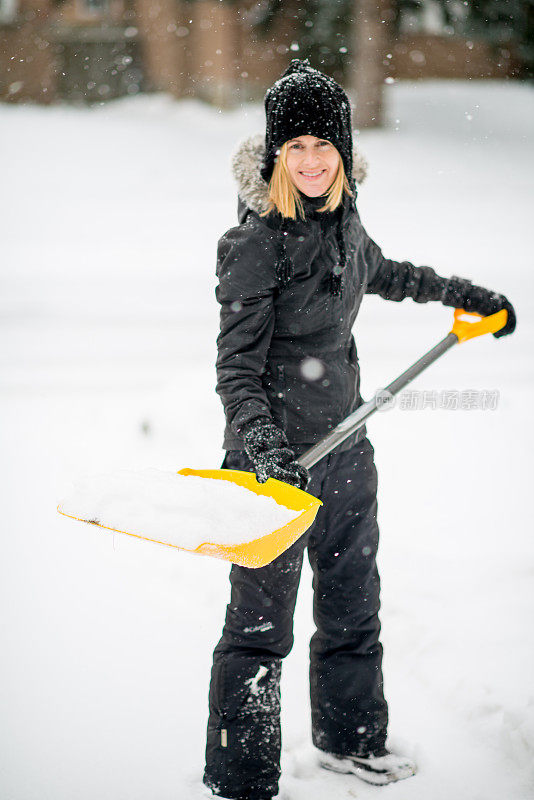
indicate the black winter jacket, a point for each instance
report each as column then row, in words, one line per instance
column 288, row 353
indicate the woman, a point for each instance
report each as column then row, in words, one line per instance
column 292, row 276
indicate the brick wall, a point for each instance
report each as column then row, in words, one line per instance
column 27, row 60
column 426, row 56
column 205, row 49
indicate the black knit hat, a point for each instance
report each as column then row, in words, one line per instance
column 304, row 101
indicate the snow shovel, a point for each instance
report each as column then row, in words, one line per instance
column 261, row 551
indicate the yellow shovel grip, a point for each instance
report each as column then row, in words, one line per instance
column 476, row 324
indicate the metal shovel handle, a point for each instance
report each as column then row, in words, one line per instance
column 466, row 326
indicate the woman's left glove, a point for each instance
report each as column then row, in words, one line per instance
column 268, row 449
column 461, row 293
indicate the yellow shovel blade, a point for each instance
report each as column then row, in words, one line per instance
column 258, row 552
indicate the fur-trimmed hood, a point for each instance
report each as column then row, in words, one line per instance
column 246, row 165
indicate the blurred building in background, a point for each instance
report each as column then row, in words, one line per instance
column 229, row 51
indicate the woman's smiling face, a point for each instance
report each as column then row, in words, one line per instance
column 312, row 164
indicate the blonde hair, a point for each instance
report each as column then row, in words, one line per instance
column 284, row 195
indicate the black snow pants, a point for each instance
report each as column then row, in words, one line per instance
column 349, row 712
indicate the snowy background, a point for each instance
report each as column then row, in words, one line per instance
column 111, row 217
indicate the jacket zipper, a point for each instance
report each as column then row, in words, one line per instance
column 283, row 395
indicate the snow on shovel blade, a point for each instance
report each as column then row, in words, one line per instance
column 261, row 551
column 207, row 518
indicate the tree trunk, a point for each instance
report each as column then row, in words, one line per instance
column 370, row 44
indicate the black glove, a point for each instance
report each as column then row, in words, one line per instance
column 461, row 293
column 268, row 449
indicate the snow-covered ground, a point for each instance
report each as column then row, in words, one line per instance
column 108, row 321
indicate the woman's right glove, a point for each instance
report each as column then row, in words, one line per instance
column 268, row 449
column 461, row 293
